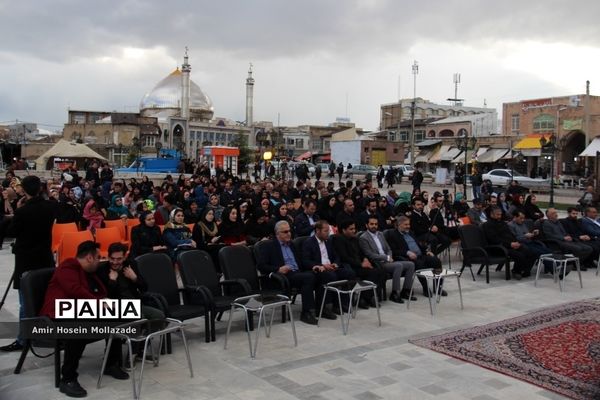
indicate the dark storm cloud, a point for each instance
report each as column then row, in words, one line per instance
column 61, row 30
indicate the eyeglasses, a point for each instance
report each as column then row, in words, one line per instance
column 288, row 231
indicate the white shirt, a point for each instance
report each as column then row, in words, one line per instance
column 377, row 243
column 324, row 255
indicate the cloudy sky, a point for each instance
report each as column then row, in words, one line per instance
column 314, row 60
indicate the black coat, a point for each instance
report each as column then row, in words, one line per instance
column 122, row 288
column 399, row 246
column 420, row 224
column 270, row 257
column 498, row 232
column 143, row 239
column 572, row 226
column 311, row 253
column 348, row 251
column 302, row 225
column 32, row 228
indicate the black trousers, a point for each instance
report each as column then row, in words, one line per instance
column 376, row 275
column 524, row 259
column 305, row 282
column 74, row 350
column 438, row 241
column 583, row 251
column 425, row 261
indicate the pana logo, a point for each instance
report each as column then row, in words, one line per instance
column 98, row 309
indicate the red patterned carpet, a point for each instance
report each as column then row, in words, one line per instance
column 557, row 348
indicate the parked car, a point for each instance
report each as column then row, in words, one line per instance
column 362, row 169
column 407, row 170
column 502, row 177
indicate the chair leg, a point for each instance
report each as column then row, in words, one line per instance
column 213, row 329
column 487, row 273
column 169, row 346
column 22, row 357
column 219, row 315
column 207, row 326
column 283, row 314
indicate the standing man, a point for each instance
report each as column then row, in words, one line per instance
column 318, row 172
column 32, row 228
column 476, row 182
column 375, row 247
column 417, row 179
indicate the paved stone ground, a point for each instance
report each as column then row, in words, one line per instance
column 369, row 363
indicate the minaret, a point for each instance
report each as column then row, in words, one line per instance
column 186, row 68
column 249, row 96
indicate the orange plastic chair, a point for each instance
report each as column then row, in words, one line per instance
column 105, row 237
column 120, row 225
column 465, row 220
column 57, row 233
column 70, row 241
column 191, row 226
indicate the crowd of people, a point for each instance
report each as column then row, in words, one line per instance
column 351, row 231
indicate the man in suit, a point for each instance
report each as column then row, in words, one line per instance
column 574, row 227
column 590, row 224
column 405, row 247
column 477, row 214
column 497, row 232
column 425, row 230
column 376, row 248
column 31, row 227
column 553, row 229
column 346, row 246
column 304, row 223
column 371, row 210
column 280, row 256
column 319, row 257
column 348, row 214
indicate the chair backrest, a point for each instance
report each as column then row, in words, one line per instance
column 237, row 263
column 33, row 288
column 105, row 237
column 120, row 225
column 157, row 270
column 70, row 241
column 465, row 220
column 131, row 223
column 299, row 245
column 57, row 233
column 387, row 234
column 471, row 236
column 197, row 268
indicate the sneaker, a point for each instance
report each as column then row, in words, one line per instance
column 72, row 389
column 14, row 346
column 308, row 318
column 116, row 372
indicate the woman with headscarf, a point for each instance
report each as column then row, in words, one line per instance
column 213, row 204
column 258, row 228
column 93, row 216
column 517, row 204
column 402, row 205
column 503, row 204
column 206, row 235
column 146, row 186
column 117, row 209
column 386, row 211
column 532, row 211
column 326, row 209
column 146, row 237
column 460, row 206
column 177, row 235
column 281, row 213
column 232, row 230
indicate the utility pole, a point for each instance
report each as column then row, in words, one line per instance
column 415, row 72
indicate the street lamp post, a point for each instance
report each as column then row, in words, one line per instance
column 464, row 143
column 549, row 146
column 415, row 72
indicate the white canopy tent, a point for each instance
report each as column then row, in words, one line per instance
column 592, row 148
column 66, row 149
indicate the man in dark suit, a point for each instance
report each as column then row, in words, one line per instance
column 553, row 229
column 371, row 210
column 590, row 224
column 574, row 227
column 31, row 227
column 319, row 257
column 405, row 247
column 346, row 246
column 425, row 230
column 304, row 222
column 280, row 256
column 348, row 214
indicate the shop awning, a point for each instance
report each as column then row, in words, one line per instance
column 423, row 156
column 531, row 141
column 304, row 156
column 592, row 148
column 428, row 142
column 492, row 155
column 450, row 154
column 326, row 157
column 471, row 156
column 437, row 157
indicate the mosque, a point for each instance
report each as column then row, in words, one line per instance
column 175, row 114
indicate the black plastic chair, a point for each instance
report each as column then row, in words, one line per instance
column 163, row 293
column 476, row 250
column 198, row 273
column 238, row 263
column 33, row 287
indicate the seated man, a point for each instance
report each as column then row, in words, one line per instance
column 345, row 244
column 319, row 257
column 554, row 230
column 574, row 228
column 497, row 232
column 425, row 230
column 304, row 222
column 476, row 214
column 280, row 256
column 439, row 209
column 375, row 247
column 405, row 247
column 76, row 278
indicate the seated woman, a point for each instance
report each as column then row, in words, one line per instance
column 117, row 209
column 213, row 204
column 146, row 237
column 232, row 230
column 258, row 228
column 192, row 213
column 92, row 216
column 327, row 209
column 177, row 235
column 206, row 235
column 532, row 211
